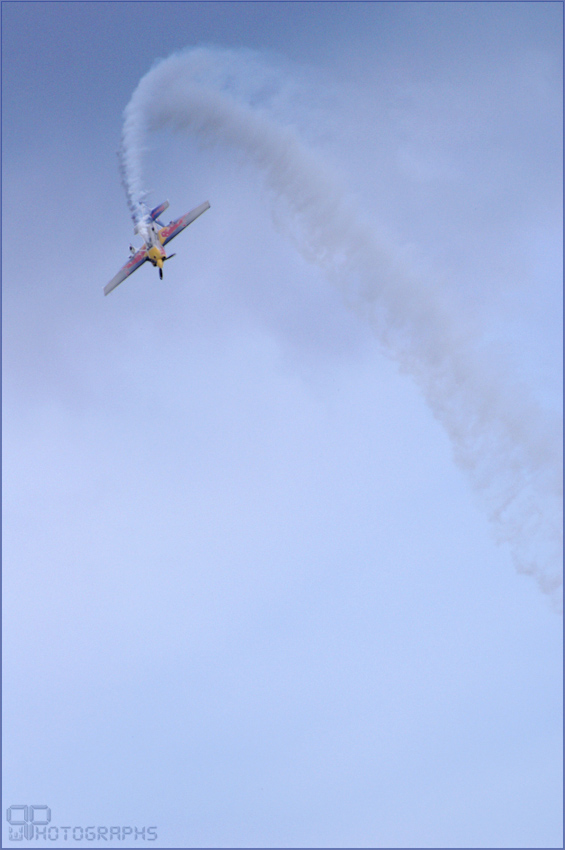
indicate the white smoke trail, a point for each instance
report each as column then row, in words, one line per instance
column 138, row 211
column 510, row 449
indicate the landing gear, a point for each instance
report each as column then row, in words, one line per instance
column 160, row 274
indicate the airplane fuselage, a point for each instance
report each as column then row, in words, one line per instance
column 156, row 255
column 155, row 252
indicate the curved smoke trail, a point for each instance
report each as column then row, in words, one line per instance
column 509, row 447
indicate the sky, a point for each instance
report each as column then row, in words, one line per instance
column 280, row 532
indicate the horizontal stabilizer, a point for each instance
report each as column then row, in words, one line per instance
column 158, row 210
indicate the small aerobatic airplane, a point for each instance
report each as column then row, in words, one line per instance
column 155, row 240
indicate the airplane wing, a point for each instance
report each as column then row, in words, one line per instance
column 174, row 228
column 132, row 264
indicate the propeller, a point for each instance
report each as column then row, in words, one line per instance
column 165, row 258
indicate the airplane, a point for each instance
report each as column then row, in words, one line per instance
column 155, row 239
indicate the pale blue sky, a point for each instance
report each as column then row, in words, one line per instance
column 249, row 597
